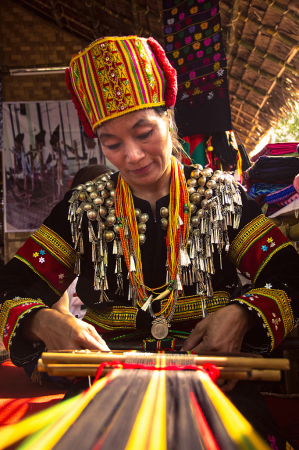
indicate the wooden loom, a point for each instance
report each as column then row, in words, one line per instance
column 85, row 363
column 170, row 403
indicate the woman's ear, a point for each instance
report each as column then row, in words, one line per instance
column 169, row 120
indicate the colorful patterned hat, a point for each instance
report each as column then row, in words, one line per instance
column 117, row 75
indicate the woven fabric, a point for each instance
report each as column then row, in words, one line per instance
column 114, row 76
column 281, row 195
column 263, row 189
column 194, row 47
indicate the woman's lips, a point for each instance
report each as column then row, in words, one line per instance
column 141, row 170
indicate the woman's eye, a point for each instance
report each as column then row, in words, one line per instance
column 145, row 135
column 113, row 146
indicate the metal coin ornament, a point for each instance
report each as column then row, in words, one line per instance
column 164, row 212
column 142, row 238
column 195, row 173
column 105, row 193
column 98, row 201
column 164, row 223
column 195, row 198
column 110, row 184
column 110, row 220
column 141, row 227
column 109, row 235
column 143, row 218
column 202, row 181
column 100, row 185
column 92, row 215
column 109, row 202
column 159, row 329
column 93, row 195
column 191, row 190
column 103, row 211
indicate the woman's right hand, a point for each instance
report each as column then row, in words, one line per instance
column 62, row 332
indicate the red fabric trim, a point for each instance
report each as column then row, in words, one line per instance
column 14, row 315
column 57, row 275
column 260, row 250
column 269, row 310
column 169, row 72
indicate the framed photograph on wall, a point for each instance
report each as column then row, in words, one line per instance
column 44, row 145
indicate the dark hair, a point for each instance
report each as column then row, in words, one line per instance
column 88, row 173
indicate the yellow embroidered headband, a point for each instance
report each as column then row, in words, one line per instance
column 117, row 75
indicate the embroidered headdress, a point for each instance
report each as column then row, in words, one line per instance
column 117, row 75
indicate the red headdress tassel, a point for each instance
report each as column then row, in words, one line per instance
column 169, row 72
column 80, row 111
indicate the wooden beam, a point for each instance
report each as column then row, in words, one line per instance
column 245, row 113
column 55, row 13
column 241, row 118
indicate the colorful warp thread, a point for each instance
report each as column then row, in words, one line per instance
column 117, row 75
column 134, row 409
column 194, row 47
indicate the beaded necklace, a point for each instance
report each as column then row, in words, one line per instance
column 176, row 238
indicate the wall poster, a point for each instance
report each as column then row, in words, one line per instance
column 44, row 145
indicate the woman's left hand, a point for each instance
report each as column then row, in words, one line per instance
column 222, row 331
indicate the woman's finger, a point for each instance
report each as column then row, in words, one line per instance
column 98, row 338
column 195, row 337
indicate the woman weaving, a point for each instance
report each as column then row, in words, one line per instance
column 156, row 245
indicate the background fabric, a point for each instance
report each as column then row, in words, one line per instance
column 193, row 44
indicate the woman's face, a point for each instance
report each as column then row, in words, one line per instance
column 139, row 145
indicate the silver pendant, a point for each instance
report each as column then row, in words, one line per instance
column 159, row 328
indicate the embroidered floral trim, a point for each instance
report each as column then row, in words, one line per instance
column 20, row 306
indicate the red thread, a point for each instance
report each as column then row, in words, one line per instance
column 169, row 72
column 208, row 368
column 80, row 111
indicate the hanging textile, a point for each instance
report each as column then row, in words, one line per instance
column 193, row 44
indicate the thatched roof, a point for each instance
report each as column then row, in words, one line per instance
column 261, row 39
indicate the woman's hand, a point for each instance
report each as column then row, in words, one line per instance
column 63, row 332
column 223, row 331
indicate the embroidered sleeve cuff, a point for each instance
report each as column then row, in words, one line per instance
column 117, row 318
column 255, row 245
column 274, row 312
column 22, row 351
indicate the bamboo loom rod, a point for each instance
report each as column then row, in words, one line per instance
column 84, row 370
column 222, row 361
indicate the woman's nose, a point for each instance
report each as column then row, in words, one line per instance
column 134, row 153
